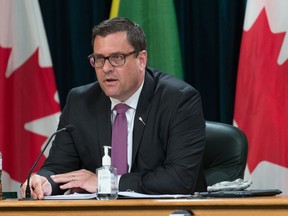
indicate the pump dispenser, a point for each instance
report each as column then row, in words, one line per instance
column 106, row 160
column 107, row 182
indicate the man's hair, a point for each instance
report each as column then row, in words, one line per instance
column 135, row 34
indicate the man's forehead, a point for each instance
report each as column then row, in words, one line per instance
column 113, row 43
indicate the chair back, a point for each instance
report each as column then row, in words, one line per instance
column 225, row 154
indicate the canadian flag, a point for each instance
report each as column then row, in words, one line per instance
column 29, row 105
column 261, row 106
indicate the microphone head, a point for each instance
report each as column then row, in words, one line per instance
column 70, row 128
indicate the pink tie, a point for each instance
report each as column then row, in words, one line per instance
column 119, row 139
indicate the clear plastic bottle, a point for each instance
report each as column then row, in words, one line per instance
column 107, row 184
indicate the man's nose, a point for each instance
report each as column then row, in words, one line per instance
column 107, row 66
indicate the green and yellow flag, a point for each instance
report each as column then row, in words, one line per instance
column 158, row 19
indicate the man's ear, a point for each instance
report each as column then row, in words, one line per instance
column 142, row 57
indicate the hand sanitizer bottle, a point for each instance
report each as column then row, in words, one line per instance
column 107, row 184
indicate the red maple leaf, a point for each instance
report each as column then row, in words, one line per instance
column 26, row 95
column 261, row 108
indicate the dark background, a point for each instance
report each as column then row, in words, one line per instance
column 210, row 35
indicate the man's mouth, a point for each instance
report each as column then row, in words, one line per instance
column 110, row 81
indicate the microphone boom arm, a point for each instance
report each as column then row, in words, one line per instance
column 28, row 189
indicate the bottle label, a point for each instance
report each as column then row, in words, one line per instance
column 104, row 181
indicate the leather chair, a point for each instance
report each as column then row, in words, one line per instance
column 225, row 154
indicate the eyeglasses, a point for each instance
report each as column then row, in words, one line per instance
column 116, row 60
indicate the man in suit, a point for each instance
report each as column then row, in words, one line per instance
column 166, row 127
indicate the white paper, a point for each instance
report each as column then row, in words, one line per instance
column 74, row 196
column 127, row 194
column 132, row 194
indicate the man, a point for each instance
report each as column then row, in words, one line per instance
column 166, row 128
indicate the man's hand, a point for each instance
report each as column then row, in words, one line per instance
column 39, row 186
column 77, row 181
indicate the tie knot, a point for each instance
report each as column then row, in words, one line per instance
column 121, row 108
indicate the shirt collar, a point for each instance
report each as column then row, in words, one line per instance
column 131, row 101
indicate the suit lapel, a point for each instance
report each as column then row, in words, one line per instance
column 103, row 119
column 142, row 112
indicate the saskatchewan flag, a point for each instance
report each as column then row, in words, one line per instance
column 158, row 20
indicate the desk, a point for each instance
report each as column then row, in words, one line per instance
column 272, row 206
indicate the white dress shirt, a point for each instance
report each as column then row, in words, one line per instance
column 130, row 115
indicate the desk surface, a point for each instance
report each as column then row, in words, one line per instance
column 274, row 205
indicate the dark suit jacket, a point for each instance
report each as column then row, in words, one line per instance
column 167, row 151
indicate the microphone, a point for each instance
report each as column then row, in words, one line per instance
column 68, row 128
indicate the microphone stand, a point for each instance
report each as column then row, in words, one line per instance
column 28, row 189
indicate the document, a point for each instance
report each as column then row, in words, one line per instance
column 121, row 194
column 74, row 196
column 129, row 194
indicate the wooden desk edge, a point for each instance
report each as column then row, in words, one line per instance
column 276, row 201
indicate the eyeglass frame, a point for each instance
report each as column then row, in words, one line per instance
column 92, row 56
